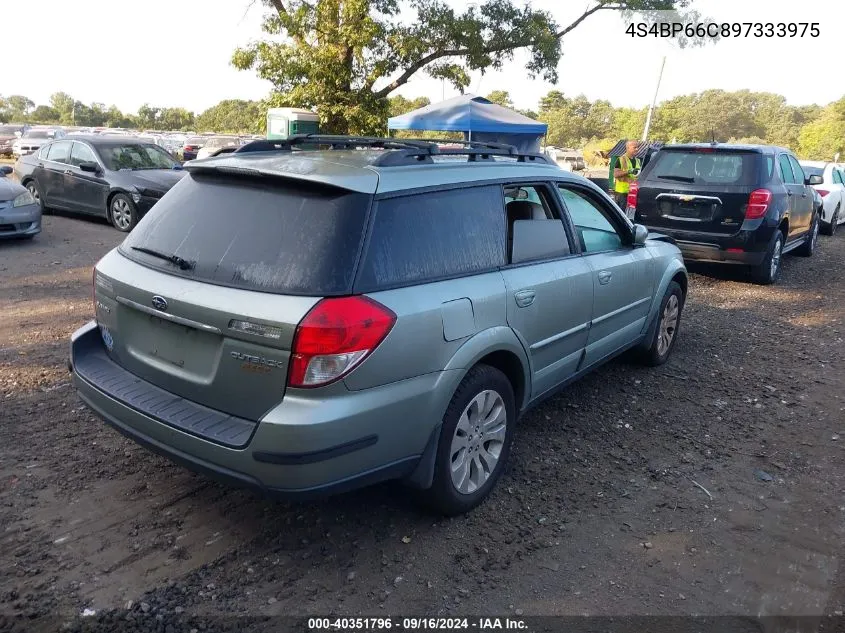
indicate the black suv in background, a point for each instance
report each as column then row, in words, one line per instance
column 732, row 204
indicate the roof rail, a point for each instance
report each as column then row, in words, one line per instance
column 406, row 151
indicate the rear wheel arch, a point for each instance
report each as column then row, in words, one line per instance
column 511, row 366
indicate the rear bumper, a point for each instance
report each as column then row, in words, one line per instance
column 698, row 252
column 303, row 448
column 746, row 247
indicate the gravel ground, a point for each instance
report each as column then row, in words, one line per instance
column 712, row 485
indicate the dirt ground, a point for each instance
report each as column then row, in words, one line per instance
column 714, row 485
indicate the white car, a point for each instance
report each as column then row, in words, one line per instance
column 832, row 191
column 217, row 145
column 34, row 138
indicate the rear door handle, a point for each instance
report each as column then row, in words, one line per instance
column 605, row 276
column 524, row 298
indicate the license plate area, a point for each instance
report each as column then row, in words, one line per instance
column 690, row 211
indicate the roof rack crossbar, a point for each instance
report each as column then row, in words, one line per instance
column 407, row 151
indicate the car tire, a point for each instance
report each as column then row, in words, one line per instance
column 35, row 191
column 122, row 213
column 768, row 271
column 666, row 332
column 830, row 229
column 809, row 246
column 485, row 396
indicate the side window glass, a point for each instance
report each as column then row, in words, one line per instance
column 769, row 164
column 785, row 169
column 797, row 171
column 59, row 152
column 595, row 232
column 837, row 177
column 81, row 154
column 42, row 153
column 433, row 235
column 546, row 237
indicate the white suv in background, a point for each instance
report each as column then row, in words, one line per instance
column 832, row 191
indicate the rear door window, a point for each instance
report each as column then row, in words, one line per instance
column 797, row 170
column 434, row 235
column 705, row 167
column 265, row 235
column 785, row 169
column 59, row 152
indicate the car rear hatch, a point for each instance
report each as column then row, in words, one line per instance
column 203, row 297
column 702, row 190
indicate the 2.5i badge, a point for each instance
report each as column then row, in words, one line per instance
column 108, row 341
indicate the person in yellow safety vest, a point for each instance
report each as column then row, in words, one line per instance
column 627, row 169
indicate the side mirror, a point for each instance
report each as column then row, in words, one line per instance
column 640, row 234
column 90, row 167
column 814, row 180
column 5, row 170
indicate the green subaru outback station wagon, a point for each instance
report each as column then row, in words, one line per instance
column 314, row 315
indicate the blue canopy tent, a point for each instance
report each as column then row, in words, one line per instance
column 479, row 120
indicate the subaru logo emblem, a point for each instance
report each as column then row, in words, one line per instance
column 159, row 303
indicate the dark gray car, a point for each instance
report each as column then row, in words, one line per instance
column 307, row 322
column 20, row 214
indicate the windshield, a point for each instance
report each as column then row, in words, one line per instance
column 705, row 167
column 135, row 156
column 812, row 171
column 222, row 141
column 39, row 134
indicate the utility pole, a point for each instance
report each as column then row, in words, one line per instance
column 653, row 102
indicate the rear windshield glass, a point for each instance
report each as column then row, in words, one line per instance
column 260, row 235
column 812, row 171
column 705, row 167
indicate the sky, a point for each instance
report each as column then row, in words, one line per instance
column 177, row 52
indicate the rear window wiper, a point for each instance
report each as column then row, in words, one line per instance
column 673, row 177
column 182, row 263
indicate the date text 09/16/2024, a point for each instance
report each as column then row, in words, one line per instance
column 417, row 624
column 723, row 29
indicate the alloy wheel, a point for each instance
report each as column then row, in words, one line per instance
column 478, row 441
column 775, row 265
column 121, row 214
column 668, row 325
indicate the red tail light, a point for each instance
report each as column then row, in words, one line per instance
column 334, row 337
column 822, row 192
column 758, row 204
column 633, row 191
column 188, row 148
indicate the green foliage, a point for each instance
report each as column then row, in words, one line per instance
column 400, row 105
column 502, row 97
column 234, row 115
column 44, row 114
column 824, row 137
column 15, row 108
column 343, row 58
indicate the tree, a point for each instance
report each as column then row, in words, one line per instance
column 63, row 103
column 148, row 117
column 400, row 105
column 233, row 115
column 823, row 138
column 45, row 114
column 15, row 108
column 345, row 57
column 502, row 97
column 175, row 119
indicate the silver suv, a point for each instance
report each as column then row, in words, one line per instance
column 314, row 315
